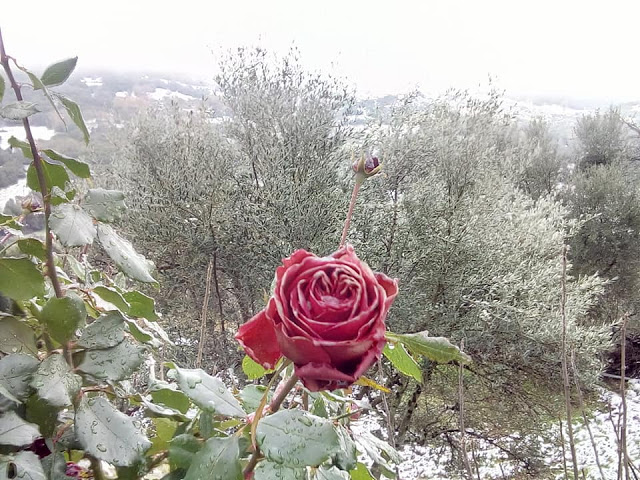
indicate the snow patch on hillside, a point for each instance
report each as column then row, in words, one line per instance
column 161, row 93
column 422, row 463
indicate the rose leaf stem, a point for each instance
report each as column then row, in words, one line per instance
column 352, row 204
column 46, row 199
column 274, row 406
column 37, row 163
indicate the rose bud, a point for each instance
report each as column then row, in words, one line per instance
column 326, row 314
column 367, row 166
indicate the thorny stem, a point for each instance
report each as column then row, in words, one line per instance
column 42, row 182
column 37, row 163
column 274, row 406
column 352, row 205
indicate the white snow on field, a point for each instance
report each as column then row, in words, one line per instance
column 39, row 133
column 161, row 93
column 18, row 189
column 92, row 82
column 422, row 463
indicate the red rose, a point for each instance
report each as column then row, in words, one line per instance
column 326, row 315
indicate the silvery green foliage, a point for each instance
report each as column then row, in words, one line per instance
column 249, row 186
column 602, row 139
column 477, row 259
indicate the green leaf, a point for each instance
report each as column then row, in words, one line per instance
column 18, row 110
column 436, row 349
column 23, row 146
column 54, row 175
column 296, row 438
column 164, row 431
column 28, row 467
column 207, row 392
column 346, row 456
column 400, row 358
column 108, row 434
column 106, row 331
column 206, row 425
column 170, row 397
column 141, row 305
column 55, row 466
column 59, row 196
column 15, row 431
column 15, row 374
column 331, row 473
column 41, row 414
column 182, row 449
column 38, row 85
column 77, row 167
column 116, row 363
column 251, row 395
column 8, row 221
column 1, row 87
column 141, row 334
column 16, row 337
column 219, row 458
column 378, row 450
column 55, row 383
column 33, row 247
column 20, row 279
column 361, row 472
column 123, row 254
column 73, row 226
column 154, row 410
column 63, row 316
column 318, row 407
column 59, row 72
column 75, row 114
column 267, row 470
column 105, row 205
column 112, row 296
column 252, row 369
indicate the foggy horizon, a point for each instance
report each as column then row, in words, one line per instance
column 537, row 49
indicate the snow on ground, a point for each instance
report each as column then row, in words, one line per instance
column 92, row 81
column 18, row 189
column 422, row 463
column 161, row 93
column 39, row 133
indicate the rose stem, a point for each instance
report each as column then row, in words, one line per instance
column 352, row 205
column 274, row 406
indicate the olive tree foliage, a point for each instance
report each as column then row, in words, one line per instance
column 478, row 260
column 604, row 192
column 243, row 190
column 602, row 139
column 538, row 163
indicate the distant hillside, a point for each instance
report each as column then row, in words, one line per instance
column 109, row 99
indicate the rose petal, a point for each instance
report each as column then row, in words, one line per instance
column 258, row 338
column 390, row 286
column 322, row 376
column 300, row 350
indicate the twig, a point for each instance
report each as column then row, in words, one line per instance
column 564, row 451
column 203, row 314
column 565, row 371
column 463, row 444
column 352, row 204
column 623, row 399
column 584, row 415
column 274, row 406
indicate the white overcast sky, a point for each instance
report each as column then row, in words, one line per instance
column 586, row 48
